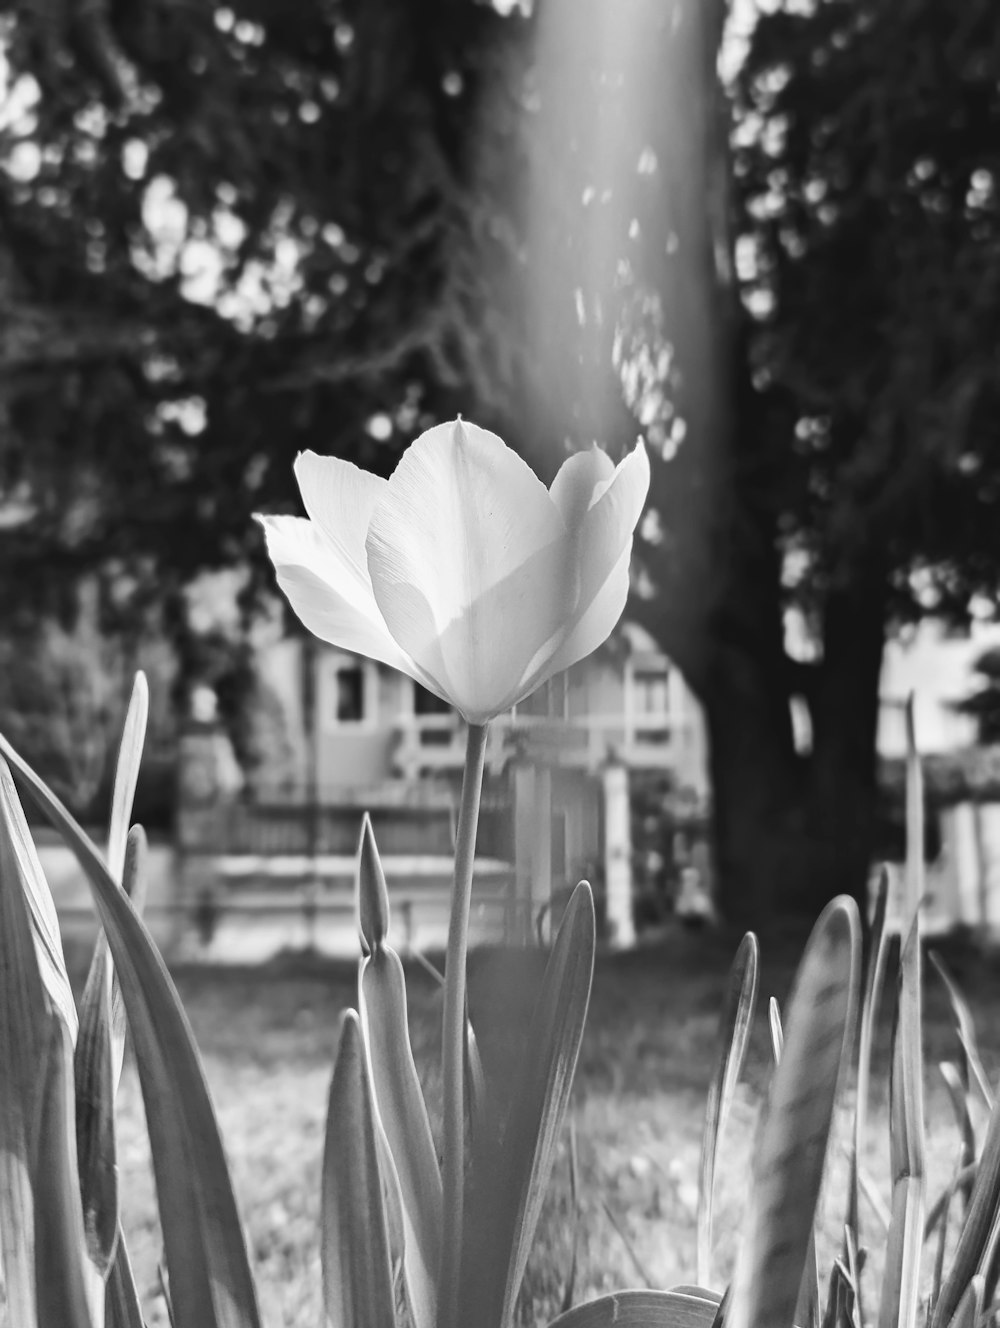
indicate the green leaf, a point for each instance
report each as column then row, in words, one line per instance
column 404, row 1119
column 121, row 1302
column 100, row 1054
column 795, row 1126
column 482, row 1117
column 875, row 969
column 354, row 1250
column 569, row 1290
column 127, row 774
column 966, row 1177
column 878, row 953
column 689, row 1307
column 777, row 1033
column 373, row 893
column 398, row 1095
column 969, row 1313
column 100, row 1047
column 901, row 1280
column 64, row 1286
column 734, row 1036
column 972, row 1069
column 945, row 1212
column 958, row 1091
column 25, row 867
column 202, row 1235
column 509, row 1178
column 24, row 1042
column 807, row 1305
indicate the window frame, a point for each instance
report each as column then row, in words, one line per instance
column 330, row 666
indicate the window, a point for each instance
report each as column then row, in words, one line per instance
column 349, row 697
column 649, row 693
column 426, row 703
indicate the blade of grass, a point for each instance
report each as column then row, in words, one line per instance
column 807, row 1305
column 878, row 953
column 791, row 1148
column 970, row 1310
column 875, row 969
column 939, row 1253
column 966, row 1029
column 629, row 1245
column 734, row 1036
column 988, row 1264
column 853, row 1263
column 509, row 1179
column 965, row 1177
column 354, row 1251
column 900, row 1284
column 569, row 1290
column 774, row 1024
column 974, row 1235
column 959, row 1094
column 121, row 1304
column 203, row 1236
column 876, row 1203
column 644, row 1309
column 901, row 1280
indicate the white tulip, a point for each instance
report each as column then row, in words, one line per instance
column 462, row 569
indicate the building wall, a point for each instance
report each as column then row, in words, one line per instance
column 280, row 666
column 353, row 752
column 358, row 752
column 938, row 668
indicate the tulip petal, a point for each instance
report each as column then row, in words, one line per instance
column 325, row 594
column 605, row 543
column 340, row 498
column 470, row 565
column 592, row 628
column 608, row 523
column 573, row 489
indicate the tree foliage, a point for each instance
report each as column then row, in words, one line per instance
column 226, row 234
column 866, row 166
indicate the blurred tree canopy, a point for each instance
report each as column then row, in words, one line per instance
column 231, row 232
column 224, row 237
column 800, row 300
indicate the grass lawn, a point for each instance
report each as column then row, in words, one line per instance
column 267, row 1037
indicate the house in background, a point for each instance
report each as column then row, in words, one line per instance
column 373, row 726
column 936, row 664
column 361, row 735
column 351, row 735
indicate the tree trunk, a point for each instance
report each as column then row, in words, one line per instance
column 843, row 785
column 793, row 831
column 754, row 769
column 756, row 793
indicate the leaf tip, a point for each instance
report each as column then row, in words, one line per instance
column 373, row 894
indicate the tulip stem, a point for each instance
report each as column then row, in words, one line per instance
column 453, row 1030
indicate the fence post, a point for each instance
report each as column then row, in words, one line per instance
column 618, row 854
column 206, row 781
column 532, row 847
